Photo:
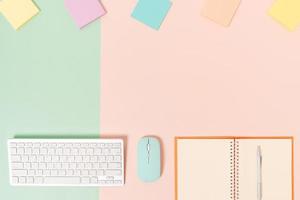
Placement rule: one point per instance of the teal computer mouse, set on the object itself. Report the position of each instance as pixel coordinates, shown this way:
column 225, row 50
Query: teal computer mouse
column 148, row 159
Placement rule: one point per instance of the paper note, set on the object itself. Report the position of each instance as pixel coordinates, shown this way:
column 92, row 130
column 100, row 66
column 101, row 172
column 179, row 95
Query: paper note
column 84, row 11
column 287, row 13
column 151, row 13
column 220, row 11
column 18, row 12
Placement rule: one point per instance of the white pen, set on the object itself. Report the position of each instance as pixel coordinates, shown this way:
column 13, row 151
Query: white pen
column 259, row 173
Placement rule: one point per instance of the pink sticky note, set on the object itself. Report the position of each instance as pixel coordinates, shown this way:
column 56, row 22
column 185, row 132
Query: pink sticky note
column 85, row 11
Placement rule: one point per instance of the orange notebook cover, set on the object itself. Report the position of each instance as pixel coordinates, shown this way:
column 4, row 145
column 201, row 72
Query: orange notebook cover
column 215, row 168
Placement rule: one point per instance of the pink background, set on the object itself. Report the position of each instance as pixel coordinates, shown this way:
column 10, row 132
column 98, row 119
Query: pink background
column 194, row 77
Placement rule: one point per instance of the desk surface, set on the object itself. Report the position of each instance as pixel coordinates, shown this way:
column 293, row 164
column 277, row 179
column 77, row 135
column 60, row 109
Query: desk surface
column 194, row 77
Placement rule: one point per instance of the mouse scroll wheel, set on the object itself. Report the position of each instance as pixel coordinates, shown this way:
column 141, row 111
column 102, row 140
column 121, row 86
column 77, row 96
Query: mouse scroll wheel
column 148, row 147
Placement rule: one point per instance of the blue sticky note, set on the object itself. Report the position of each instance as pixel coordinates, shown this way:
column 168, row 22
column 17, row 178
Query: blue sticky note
column 151, row 12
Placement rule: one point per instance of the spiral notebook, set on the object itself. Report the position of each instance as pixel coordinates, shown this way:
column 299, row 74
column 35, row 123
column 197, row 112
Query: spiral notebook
column 215, row 168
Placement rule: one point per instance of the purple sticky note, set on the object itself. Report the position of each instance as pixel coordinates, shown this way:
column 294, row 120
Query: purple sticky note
column 84, row 11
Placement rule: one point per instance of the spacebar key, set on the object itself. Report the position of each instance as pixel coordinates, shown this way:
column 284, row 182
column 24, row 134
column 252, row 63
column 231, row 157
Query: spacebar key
column 61, row 180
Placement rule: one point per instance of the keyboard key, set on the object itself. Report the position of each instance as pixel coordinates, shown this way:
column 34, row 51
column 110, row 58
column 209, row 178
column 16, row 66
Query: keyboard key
column 28, row 144
column 118, row 182
column 22, row 179
column 27, row 165
column 72, row 165
column 74, row 151
column 101, row 158
column 71, row 158
column 42, row 166
column 13, row 144
column 44, row 151
column 84, row 172
column 113, row 172
column 97, row 152
column 88, row 165
column 82, row 151
column 61, row 172
column 115, row 151
column 65, row 165
column 93, row 159
column 36, row 144
column 85, row 180
column 32, row 158
column 90, row 151
column 114, row 165
column 35, row 151
column 77, row 172
column 106, row 151
column 17, row 165
column 25, row 158
column 13, row 150
column 55, row 158
column 54, row 172
column 34, row 165
column 78, row 158
column 100, row 172
column 50, row 165
column 117, row 158
column 59, row 151
column 62, row 180
column 47, row 172
column 92, row 172
column 95, row 165
column 19, row 172
column 30, row 180
column 20, row 151
column 28, row 150
column 109, row 158
column 57, row 165
column 40, row 158
column 15, row 180
column 117, row 145
column 39, row 172
column 20, row 144
column 94, row 180
column 51, row 151
column 31, row 172
column 38, row 180
column 70, row 172
column 63, row 158
column 15, row 158
column 103, row 165
column 86, row 158
column 80, row 165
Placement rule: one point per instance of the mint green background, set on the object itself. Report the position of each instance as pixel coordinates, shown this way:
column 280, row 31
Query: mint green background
column 49, row 87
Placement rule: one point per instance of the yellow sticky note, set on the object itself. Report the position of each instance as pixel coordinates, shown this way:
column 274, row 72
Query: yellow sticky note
column 287, row 13
column 18, row 12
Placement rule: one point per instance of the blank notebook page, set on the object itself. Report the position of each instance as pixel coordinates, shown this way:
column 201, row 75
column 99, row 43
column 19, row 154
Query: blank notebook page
column 203, row 169
column 276, row 169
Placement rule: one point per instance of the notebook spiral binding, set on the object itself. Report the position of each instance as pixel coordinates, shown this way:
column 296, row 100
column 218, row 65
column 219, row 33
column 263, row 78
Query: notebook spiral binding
column 234, row 170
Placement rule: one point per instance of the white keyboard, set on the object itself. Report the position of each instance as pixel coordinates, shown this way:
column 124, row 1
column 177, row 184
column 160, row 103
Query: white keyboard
column 66, row 162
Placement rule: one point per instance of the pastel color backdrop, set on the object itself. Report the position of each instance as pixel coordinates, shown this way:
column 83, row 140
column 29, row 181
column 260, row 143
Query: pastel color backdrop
column 49, row 87
column 194, row 77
